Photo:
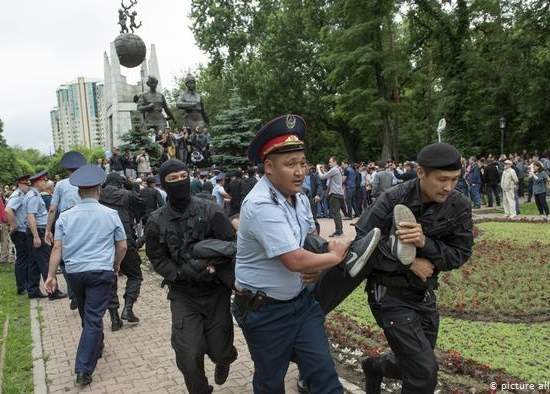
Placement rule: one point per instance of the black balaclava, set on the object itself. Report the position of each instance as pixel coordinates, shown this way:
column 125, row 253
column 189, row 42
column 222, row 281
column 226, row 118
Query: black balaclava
column 179, row 193
column 114, row 179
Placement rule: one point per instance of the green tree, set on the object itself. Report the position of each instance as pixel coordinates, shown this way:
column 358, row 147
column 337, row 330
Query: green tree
column 3, row 143
column 235, row 128
column 136, row 139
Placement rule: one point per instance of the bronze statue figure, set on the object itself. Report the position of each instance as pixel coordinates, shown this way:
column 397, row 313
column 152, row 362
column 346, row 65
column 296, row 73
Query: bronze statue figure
column 191, row 102
column 151, row 104
column 123, row 16
column 122, row 21
column 133, row 25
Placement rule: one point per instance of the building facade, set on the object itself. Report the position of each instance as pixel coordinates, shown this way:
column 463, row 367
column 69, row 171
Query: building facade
column 77, row 120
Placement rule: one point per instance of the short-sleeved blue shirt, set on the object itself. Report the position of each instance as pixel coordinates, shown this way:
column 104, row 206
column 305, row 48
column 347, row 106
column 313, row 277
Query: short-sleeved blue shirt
column 65, row 195
column 16, row 202
column 88, row 233
column 35, row 205
column 269, row 227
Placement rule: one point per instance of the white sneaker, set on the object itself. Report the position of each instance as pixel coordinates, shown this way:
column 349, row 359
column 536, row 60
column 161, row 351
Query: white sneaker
column 405, row 253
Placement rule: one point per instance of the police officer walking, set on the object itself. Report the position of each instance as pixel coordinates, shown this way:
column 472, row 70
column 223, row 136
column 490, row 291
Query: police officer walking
column 17, row 219
column 65, row 196
column 199, row 301
column 278, row 315
column 130, row 206
column 37, row 218
column 91, row 240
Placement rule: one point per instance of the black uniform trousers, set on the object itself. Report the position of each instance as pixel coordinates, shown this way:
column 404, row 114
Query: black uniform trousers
column 131, row 268
column 39, row 259
column 410, row 321
column 201, row 324
column 22, row 257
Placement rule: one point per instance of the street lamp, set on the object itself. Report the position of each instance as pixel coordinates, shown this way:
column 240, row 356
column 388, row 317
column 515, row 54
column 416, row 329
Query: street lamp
column 502, row 127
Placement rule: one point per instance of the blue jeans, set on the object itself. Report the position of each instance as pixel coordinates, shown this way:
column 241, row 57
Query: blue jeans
column 93, row 292
column 292, row 331
column 475, row 195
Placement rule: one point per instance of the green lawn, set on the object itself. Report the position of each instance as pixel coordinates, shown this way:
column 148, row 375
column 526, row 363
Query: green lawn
column 521, row 349
column 18, row 361
column 529, row 208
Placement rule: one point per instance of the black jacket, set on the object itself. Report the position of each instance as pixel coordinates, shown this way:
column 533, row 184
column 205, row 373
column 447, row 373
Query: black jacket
column 170, row 236
column 128, row 204
column 492, row 175
column 152, row 199
column 447, row 227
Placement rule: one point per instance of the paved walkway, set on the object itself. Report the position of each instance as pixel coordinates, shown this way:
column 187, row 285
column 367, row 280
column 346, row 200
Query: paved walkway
column 136, row 359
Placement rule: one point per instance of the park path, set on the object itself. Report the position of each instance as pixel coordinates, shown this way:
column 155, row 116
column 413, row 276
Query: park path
column 136, row 359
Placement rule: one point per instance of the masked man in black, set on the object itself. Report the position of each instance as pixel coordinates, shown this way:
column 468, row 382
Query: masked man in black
column 199, row 299
column 130, row 206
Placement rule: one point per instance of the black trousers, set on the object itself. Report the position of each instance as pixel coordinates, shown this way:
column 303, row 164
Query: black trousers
column 493, row 191
column 22, row 257
column 335, row 203
column 39, row 259
column 410, row 322
column 201, row 325
column 131, row 268
column 542, row 204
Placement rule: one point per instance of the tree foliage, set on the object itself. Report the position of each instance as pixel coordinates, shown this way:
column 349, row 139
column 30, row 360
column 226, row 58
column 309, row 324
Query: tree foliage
column 374, row 78
column 234, row 129
column 3, row 143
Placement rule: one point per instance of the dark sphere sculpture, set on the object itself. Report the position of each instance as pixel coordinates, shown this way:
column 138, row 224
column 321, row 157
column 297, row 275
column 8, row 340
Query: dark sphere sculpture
column 131, row 50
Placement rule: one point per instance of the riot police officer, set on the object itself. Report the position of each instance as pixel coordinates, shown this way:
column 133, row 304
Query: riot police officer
column 427, row 229
column 130, row 207
column 199, row 301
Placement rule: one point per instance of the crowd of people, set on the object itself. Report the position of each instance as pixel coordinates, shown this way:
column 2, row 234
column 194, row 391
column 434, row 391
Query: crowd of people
column 254, row 233
column 489, row 181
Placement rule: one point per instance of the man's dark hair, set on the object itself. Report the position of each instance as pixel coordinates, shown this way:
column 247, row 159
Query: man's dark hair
column 150, row 181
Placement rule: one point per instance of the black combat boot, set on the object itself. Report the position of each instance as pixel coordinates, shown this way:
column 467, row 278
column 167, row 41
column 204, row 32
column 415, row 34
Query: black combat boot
column 128, row 313
column 116, row 323
column 372, row 376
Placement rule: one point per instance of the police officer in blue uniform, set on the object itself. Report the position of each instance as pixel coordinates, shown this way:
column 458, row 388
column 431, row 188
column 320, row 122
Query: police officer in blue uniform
column 90, row 239
column 37, row 218
column 278, row 315
column 17, row 219
column 65, row 196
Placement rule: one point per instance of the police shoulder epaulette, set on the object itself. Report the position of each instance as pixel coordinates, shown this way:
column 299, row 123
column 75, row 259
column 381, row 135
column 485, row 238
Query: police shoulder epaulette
column 273, row 195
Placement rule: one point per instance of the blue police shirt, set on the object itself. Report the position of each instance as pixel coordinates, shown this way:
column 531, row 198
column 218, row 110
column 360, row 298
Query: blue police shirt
column 269, row 227
column 65, row 195
column 88, row 232
column 35, row 205
column 16, row 202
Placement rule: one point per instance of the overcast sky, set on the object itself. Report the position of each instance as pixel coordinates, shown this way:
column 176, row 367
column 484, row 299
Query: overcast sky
column 46, row 43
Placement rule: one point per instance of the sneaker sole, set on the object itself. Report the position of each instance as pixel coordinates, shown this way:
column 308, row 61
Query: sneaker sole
column 406, row 253
column 362, row 260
